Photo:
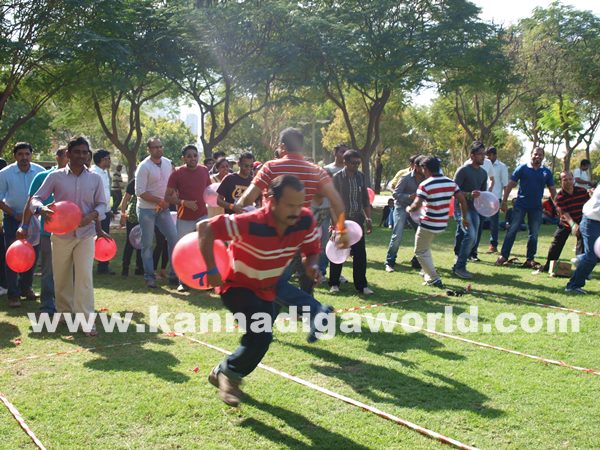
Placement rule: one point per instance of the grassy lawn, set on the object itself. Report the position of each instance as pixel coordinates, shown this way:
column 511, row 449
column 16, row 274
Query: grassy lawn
column 145, row 391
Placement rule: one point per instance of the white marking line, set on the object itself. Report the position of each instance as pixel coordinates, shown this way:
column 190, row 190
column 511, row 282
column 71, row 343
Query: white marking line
column 494, row 347
column 372, row 409
column 17, row 415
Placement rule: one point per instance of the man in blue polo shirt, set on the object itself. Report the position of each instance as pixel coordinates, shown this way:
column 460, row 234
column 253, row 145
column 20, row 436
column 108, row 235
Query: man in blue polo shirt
column 532, row 178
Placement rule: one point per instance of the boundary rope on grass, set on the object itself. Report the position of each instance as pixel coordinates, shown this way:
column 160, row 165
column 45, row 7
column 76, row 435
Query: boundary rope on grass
column 17, row 415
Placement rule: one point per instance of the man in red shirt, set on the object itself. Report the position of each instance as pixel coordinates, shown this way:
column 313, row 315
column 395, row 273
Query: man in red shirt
column 262, row 244
column 185, row 188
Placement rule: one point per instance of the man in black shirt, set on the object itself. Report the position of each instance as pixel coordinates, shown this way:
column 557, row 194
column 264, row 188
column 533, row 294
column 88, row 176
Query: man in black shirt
column 233, row 185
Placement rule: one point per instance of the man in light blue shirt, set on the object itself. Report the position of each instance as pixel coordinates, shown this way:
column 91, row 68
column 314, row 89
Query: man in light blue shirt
column 15, row 180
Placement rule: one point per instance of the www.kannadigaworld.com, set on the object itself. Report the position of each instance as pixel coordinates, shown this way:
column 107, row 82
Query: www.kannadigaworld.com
column 326, row 326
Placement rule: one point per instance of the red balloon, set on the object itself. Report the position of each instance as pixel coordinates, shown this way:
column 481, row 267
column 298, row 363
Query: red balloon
column 66, row 218
column 189, row 264
column 105, row 249
column 451, row 212
column 20, row 256
column 371, row 193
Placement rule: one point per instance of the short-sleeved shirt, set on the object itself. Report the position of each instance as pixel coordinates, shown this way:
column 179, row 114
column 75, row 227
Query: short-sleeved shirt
column 469, row 179
column 583, row 175
column 437, row 192
column 190, row 184
column 14, row 185
column 332, row 169
column 259, row 253
column 313, row 176
column 232, row 187
column 531, row 185
column 152, row 178
column 591, row 209
column 35, row 185
column 572, row 204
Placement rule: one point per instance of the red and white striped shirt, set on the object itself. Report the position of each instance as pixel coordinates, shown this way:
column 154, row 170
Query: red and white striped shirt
column 259, row 253
column 437, row 192
column 313, row 176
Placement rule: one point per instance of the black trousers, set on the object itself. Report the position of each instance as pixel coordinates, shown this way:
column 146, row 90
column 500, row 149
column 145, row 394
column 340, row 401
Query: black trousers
column 128, row 252
column 558, row 243
column 359, row 267
column 254, row 345
column 105, row 224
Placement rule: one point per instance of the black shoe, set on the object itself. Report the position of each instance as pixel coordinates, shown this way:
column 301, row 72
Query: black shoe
column 139, row 272
column 414, row 262
column 106, row 272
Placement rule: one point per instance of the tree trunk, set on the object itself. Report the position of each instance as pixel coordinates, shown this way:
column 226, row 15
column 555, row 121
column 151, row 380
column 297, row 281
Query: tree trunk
column 378, row 172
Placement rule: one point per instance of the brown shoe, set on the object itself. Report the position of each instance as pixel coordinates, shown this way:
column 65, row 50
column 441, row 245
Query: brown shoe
column 501, row 261
column 29, row 295
column 92, row 332
column 492, row 249
column 14, row 302
column 531, row 264
column 229, row 389
column 213, row 377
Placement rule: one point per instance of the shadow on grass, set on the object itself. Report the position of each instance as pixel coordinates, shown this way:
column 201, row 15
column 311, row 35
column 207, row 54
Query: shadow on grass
column 8, row 332
column 386, row 385
column 320, row 437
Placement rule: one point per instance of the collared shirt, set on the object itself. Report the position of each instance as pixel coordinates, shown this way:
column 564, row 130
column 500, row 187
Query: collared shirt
column 500, row 174
column 313, row 176
column 14, row 185
column 332, row 169
column 353, row 190
column 405, row 188
column 105, row 180
column 259, row 253
column 531, row 185
column 583, row 175
column 152, row 178
column 572, row 204
column 35, row 185
column 85, row 190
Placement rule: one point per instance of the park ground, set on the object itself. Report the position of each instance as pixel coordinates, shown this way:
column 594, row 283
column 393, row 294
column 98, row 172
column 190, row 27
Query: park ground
column 149, row 390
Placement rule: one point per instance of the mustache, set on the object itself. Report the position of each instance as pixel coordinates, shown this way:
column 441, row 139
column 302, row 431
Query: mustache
column 292, row 217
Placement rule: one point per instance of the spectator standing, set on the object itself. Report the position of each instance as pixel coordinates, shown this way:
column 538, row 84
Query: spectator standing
column 101, row 166
column 116, row 189
column 583, row 175
column 500, row 173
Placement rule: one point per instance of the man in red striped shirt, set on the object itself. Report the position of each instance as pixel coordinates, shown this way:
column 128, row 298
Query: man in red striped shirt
column 569, row 202
column 263, row 242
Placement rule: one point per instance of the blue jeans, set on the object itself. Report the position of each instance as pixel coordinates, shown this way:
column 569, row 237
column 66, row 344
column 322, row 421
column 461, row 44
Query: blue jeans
column 590, row 232
column 47, row 294
column 534, row 221
column 148, row 219
column 469, row 237
column 323, row 261
column 16, row 283
column 494, row 229
column 399, row 222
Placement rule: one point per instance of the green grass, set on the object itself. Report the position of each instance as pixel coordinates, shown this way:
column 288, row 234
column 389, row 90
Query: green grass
column 147, row 394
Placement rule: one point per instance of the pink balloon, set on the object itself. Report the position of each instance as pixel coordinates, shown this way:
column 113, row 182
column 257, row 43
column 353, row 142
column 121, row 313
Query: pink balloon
column 597, row 247
column 354, row 231
column 486, row 204
column 210, row 195
column 336, row 255
column 416, row 215
column 66, row 218
column 135, row 237
column 189, row 264
column 371, row 193
column 105, row 249
column 20, row 256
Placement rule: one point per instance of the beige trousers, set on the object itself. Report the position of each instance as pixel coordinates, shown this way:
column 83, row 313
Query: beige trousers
column 73, row 264
column 423, row 240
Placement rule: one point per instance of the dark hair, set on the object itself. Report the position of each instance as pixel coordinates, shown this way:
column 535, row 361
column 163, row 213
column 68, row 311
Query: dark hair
column 431, row 163
column 476, row 146
column 339, row 146
column 77, row 140
column 119, row 167
column 60, row 152
column 246, row 155
column 293, row 140
column 413, row 158
column 99, row 155
column 491, row 149
column 220, row 161
column 153, row 138
column 206, row 160
column 585, row 162
column 21, row 145
column 281, row 182
column 188, row 147
column 349, row 154
column 218, row 155
column 3, row 163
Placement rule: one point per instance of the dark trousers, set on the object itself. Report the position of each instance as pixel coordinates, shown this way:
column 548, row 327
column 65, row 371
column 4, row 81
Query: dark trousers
column 16, row 283
column 161, row 249
column 359, row 267
column 254, row 345
column 558, row 243
column 2, row 260
column 460, row 234
column 117, row 196
column 105, row 224
column 128, row 252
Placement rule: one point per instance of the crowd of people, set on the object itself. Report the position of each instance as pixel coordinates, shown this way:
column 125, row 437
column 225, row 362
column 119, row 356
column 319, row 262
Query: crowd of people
column 277, row 218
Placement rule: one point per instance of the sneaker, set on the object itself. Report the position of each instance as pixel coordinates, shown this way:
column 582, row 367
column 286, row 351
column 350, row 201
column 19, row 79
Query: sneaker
column 229, row 389
column 312, row 336
column 462, row 273
column 493, row 249
column 367, row 291
column 577, row 291
column 474, row 259
column 182, row 288
column 435, row 283
column 213, row 377
column 334, row 289
column 342, row 279
column 575, row 261
column 151, row 283
column 29, row 295
column 388, row 268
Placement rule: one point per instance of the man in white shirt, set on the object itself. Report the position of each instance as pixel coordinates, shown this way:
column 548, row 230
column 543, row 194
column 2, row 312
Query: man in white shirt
column 500, row 174
column 589, row 228
column 151, row 179
column 101, row 165
column 583, row 176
